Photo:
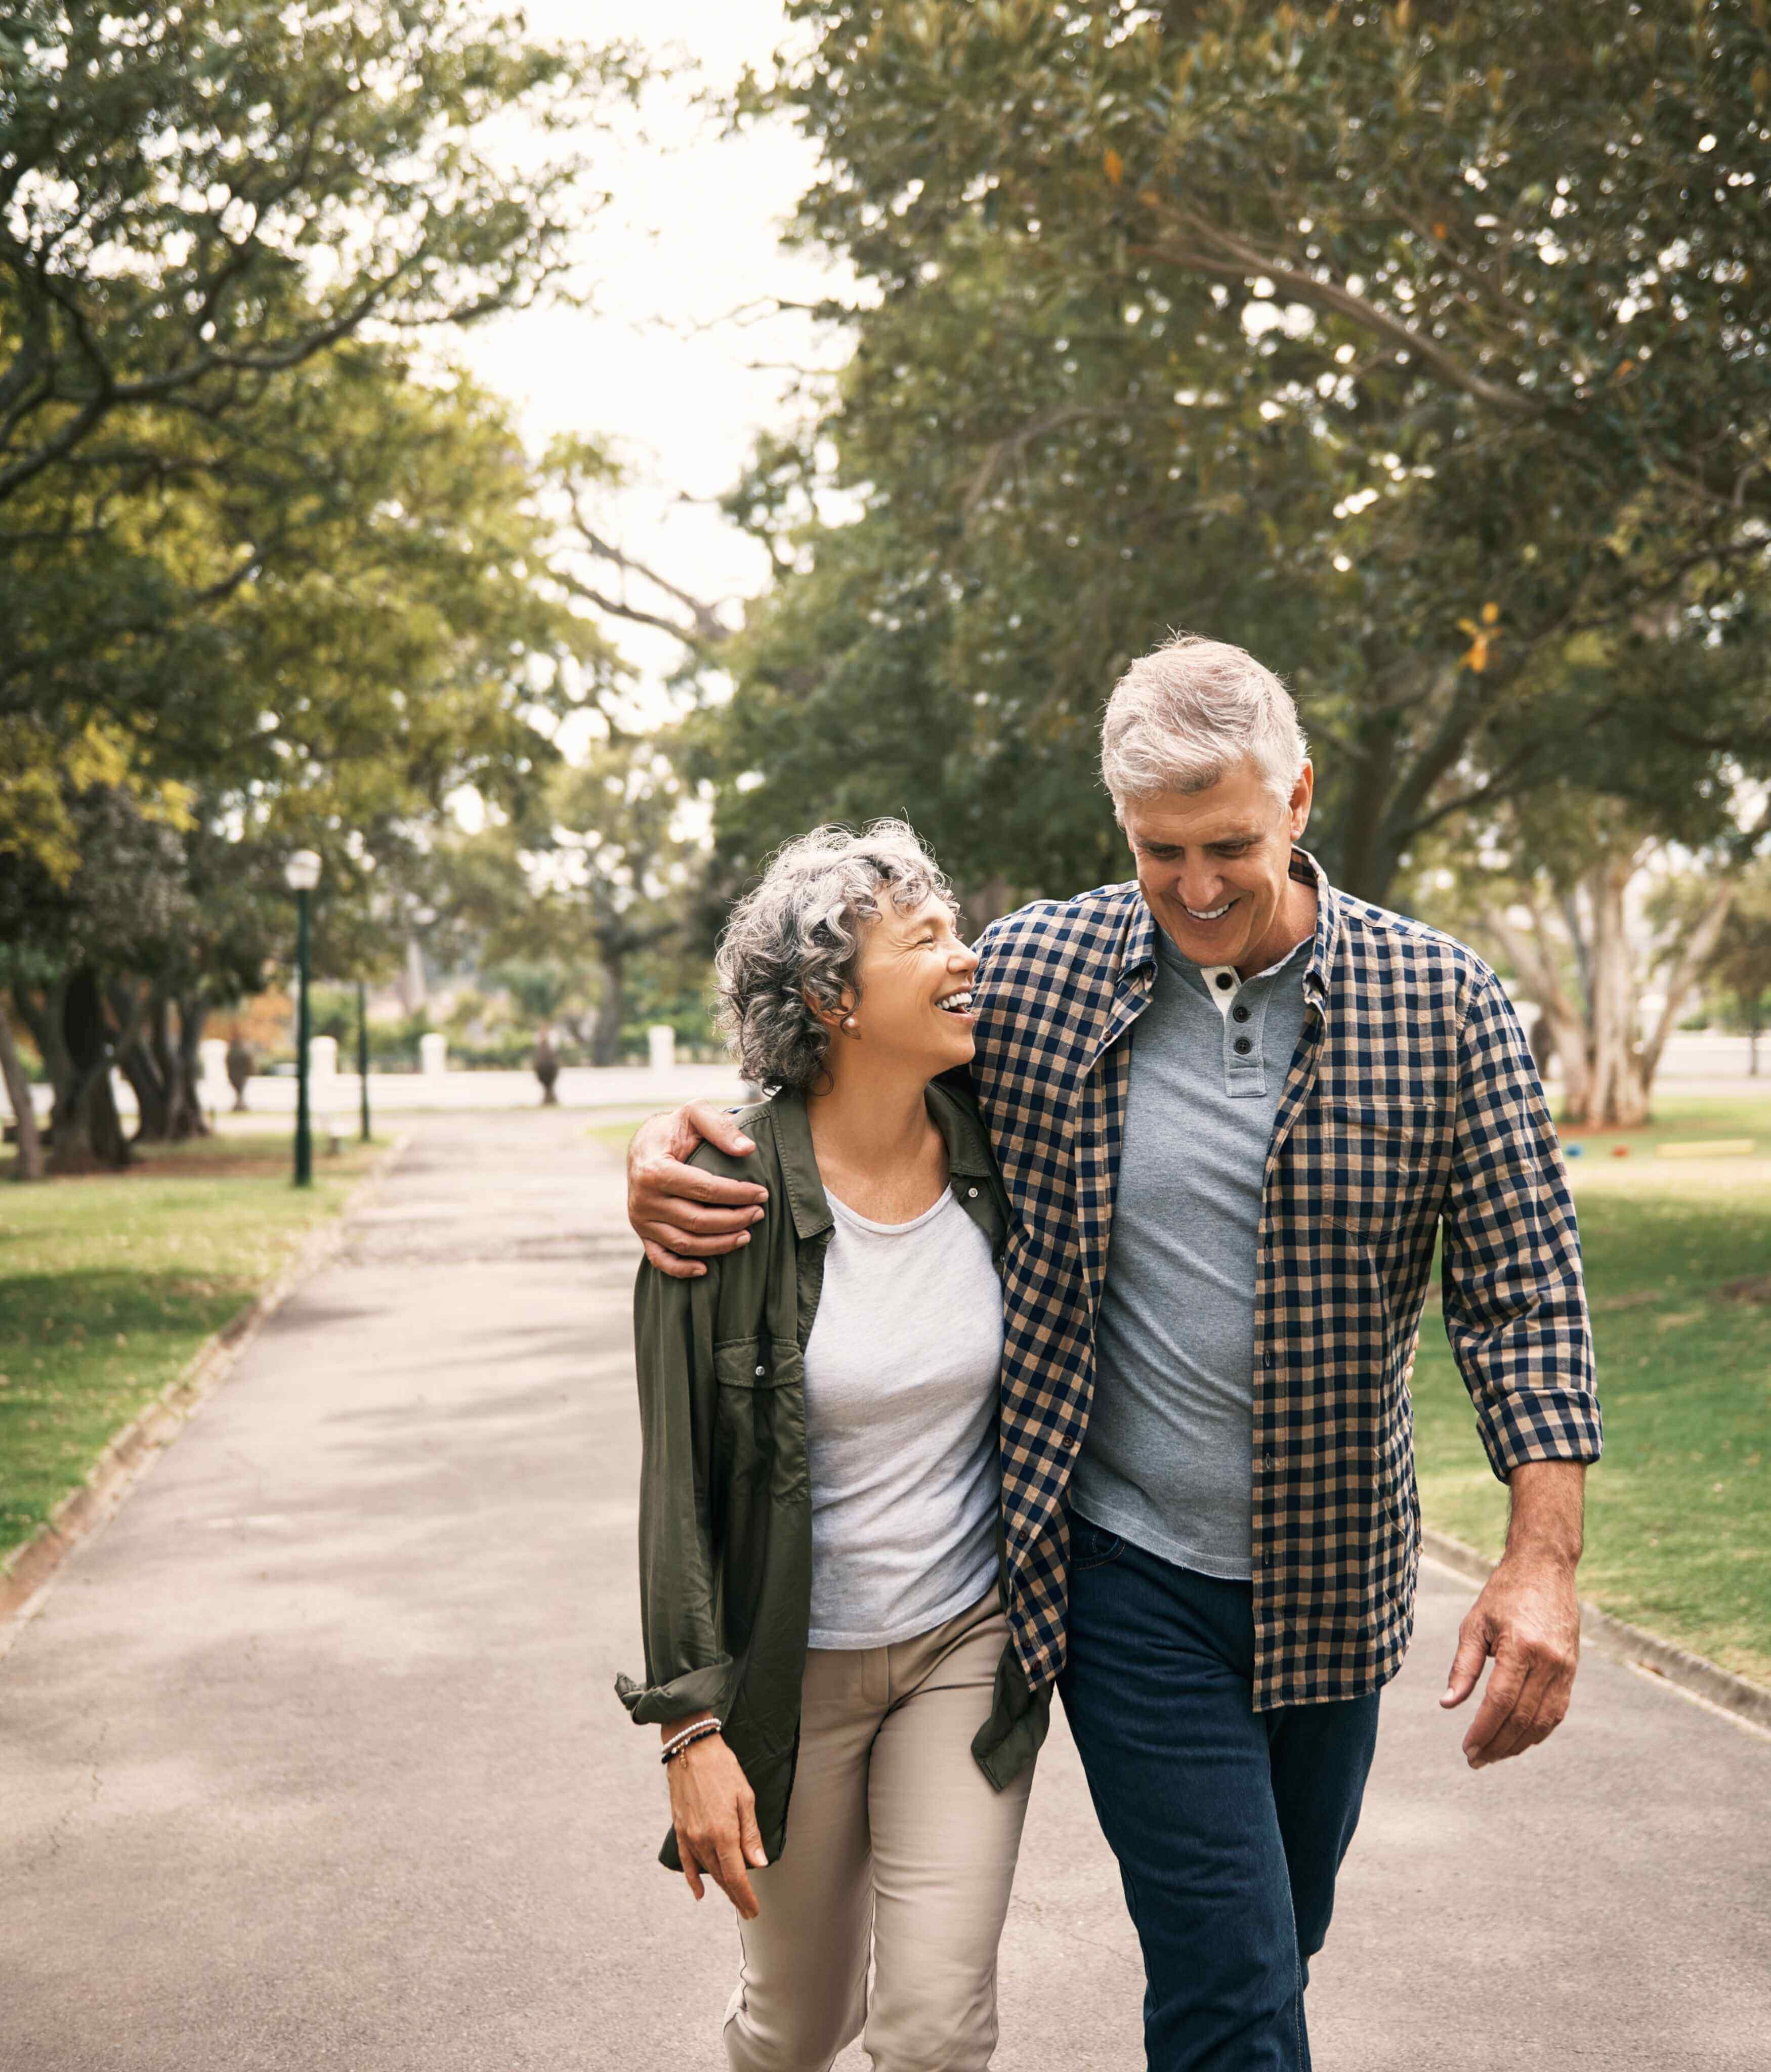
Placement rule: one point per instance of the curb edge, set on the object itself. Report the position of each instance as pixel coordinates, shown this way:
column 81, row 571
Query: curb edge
column 28, row 1570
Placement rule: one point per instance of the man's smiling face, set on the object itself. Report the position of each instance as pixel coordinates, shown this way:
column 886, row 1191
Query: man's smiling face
column 1214, row 866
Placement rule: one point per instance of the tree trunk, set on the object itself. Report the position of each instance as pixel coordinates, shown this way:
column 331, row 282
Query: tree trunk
column 30, row 1153
column 87, row 1134
column 1618, row 1097
column 166, row 1061
column 87, row 1131
column 1366, row 860
column 191, row 1018
column 142, row 1061
column 152, row 1113
column 43, row 1016
column 161, row 1065
column 611, row 1011
column 1532, row 956
column 1694, row 954
column 410, row 985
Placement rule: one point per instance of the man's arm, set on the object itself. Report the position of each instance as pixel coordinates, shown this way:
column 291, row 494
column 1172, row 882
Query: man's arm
column 681, row 1215
column 1516, row 1316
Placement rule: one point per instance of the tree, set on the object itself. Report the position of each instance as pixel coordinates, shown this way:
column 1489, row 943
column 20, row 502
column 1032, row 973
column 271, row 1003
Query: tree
column 1740, row 966
column 198, row 205
column 175, row 180
column 1555, row 887
column 30, row 1163
column 64, row 937
column 602, row 874
column 408, row 648
column 1413, row 350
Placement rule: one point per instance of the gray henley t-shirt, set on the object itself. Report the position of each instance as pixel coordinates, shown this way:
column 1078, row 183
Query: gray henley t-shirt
column 1167, row 1461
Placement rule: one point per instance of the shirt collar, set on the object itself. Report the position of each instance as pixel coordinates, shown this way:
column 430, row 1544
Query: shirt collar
column 1306, row 870
column 967, row 1151
column 1139, row 954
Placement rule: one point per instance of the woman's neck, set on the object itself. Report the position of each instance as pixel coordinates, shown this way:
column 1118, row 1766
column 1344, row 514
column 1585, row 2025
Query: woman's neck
column 876, row 1145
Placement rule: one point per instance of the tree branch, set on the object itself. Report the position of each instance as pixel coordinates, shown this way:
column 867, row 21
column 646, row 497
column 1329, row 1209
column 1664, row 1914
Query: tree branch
column 1232, row 260
column 1699, row 942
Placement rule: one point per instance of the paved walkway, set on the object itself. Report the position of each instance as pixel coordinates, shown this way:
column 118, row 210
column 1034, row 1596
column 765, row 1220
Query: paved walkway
column 311, row 1761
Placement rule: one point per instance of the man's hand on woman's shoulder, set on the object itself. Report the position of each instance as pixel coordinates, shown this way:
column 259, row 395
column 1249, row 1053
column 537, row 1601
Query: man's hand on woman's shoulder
column 683, row 1216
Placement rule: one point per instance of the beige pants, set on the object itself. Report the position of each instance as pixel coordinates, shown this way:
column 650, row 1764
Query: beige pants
column 896, row 1838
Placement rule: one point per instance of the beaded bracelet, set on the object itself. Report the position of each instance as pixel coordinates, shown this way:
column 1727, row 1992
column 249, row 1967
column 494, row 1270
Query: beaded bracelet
column 699, row 1731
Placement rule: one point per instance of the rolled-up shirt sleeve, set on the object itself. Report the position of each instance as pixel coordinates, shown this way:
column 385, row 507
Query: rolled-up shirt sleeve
column 1514, row 1300
column 687, row 1668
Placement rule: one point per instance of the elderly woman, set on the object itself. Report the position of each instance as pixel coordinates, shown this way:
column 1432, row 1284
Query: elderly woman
column 847, row 1739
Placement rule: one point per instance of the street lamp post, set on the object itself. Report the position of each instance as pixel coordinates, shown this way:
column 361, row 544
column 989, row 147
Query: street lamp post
column 302, row 874
column 362, row 1051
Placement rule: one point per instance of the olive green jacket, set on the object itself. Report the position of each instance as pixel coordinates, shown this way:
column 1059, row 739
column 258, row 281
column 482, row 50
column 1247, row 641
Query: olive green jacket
column 725, row 1498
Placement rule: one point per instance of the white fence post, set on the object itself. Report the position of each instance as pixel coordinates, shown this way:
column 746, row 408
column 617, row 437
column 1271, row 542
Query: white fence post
column 321, row 1070
column 218, row 1088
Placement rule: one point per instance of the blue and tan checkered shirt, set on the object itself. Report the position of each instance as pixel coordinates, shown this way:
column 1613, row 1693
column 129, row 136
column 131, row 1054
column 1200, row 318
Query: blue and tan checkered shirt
column 1411, row 1103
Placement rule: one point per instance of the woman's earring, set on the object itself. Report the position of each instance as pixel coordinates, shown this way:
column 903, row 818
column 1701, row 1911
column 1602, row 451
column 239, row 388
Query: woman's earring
column 848, row 1022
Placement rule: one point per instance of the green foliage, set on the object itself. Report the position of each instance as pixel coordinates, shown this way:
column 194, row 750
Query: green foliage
column 542, row 990
column 1414, row 351
column 671, row 986
column 1739, row 970
column 266, row 583
column 202, row 197
column 601, row 873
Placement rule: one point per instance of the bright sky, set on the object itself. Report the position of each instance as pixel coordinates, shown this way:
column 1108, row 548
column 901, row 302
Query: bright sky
column 660, row 366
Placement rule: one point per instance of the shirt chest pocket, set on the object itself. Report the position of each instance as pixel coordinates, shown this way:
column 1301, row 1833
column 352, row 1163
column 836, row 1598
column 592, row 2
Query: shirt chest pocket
column 1377, row 1167
column 759, row 1437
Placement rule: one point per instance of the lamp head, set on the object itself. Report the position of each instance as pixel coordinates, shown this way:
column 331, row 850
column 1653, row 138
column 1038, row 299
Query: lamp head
column 303, row 870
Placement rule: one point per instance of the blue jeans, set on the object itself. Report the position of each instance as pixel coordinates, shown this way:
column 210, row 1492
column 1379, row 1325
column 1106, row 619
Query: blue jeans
column 1228, row 1824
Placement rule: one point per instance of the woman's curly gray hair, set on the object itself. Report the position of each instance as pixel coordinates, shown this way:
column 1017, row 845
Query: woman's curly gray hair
column 796, row 940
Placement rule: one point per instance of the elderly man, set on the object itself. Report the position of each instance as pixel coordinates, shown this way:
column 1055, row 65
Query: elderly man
column 1233, row 1109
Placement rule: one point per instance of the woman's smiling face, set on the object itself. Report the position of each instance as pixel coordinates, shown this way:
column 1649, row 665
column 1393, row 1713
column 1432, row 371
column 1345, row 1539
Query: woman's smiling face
column 913, row 978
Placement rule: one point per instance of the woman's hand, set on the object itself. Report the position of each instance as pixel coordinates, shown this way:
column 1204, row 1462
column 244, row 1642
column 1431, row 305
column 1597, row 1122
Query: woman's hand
column 714, row 1810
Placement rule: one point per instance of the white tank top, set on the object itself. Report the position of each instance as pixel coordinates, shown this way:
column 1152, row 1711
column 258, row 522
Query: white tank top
column 901, row 1378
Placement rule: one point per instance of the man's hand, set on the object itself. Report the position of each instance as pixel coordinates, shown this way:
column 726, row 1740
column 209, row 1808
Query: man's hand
column 714, row 1812
column 683, row 1215
column 1528, row 1618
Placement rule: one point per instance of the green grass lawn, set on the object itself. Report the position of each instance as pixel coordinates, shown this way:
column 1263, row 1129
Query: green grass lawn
column 1679, row 1517
column 109, row 1284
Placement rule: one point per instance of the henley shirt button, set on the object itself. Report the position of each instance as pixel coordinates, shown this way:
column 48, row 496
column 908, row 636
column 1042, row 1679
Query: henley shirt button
column 1225, row 981
column 1243, row 1046
column 1238, row 1013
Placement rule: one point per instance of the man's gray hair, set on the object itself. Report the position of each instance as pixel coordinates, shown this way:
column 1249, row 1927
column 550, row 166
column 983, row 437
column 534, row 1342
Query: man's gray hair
column 1185, row 715
column 796, row 940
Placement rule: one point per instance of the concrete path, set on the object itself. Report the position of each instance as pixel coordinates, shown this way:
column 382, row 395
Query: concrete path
column 311, row 1759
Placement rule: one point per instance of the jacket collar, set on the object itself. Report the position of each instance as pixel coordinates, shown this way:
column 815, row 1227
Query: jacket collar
column 967, row 1151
